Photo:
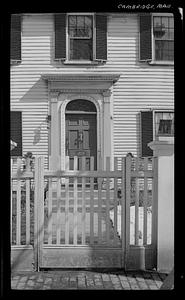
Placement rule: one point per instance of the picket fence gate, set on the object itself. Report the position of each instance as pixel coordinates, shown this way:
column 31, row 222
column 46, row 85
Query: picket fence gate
column 84, row 218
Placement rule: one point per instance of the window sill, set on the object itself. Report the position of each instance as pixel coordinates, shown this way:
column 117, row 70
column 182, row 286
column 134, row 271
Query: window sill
column 80, row 62
column 161, row 63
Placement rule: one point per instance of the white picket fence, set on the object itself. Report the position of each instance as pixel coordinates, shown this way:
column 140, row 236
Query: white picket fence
column 113, row 207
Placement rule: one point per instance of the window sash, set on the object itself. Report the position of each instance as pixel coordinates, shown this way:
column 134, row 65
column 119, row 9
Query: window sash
column 89, row 38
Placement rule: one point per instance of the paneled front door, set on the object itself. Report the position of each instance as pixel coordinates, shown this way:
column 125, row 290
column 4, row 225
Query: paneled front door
column 81, row 138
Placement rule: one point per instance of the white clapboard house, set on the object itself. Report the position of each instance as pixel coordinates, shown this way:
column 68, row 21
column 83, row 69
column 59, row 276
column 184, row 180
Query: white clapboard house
column 91, row 84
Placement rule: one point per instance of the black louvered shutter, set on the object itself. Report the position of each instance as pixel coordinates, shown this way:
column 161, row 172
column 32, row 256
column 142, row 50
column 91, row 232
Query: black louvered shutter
column 101, row 37
column 60, row 36
column 15, row 37
column 146, row 132
column 16, row 132
column 145, row 37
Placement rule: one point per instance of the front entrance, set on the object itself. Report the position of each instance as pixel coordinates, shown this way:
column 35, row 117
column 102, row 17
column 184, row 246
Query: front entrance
column 81, row 133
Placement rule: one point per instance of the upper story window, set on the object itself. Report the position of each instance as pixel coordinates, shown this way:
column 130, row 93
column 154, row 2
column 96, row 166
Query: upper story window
column 163, row 32
column 157, row 37
column 80, row 37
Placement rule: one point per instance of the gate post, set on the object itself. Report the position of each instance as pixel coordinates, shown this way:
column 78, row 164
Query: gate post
column 164, row 151
column 127, row 207
column 38, row 210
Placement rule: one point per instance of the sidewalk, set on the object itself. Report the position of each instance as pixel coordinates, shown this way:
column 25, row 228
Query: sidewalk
column 85, row 279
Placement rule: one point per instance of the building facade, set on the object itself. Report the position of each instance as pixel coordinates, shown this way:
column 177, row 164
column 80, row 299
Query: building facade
column 91, row 84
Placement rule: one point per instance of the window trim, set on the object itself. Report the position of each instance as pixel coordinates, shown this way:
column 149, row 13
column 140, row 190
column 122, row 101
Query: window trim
column 154, row 61
column 77, row 61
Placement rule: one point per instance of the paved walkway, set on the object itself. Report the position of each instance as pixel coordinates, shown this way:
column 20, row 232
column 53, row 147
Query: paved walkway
column 85, row 279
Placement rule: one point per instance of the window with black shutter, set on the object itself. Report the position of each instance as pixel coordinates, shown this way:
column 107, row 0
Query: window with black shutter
column 16, row 132
column 156, row 41
column 15, row 38
column 80, row 37
column 146, row 132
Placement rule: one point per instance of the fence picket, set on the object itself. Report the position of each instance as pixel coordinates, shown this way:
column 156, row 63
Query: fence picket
column 11, row 201
column 115, row 200
column 18, row 215
column 27, row 211
column 83, row 201
column 91, row 202
column 137, row 205
column 127, row 212
column 145, row 203
column 100, row 204
column 50, row 216
column 107, row 202
column 67, row 204
column 58, row 210
column 123, row 207
column 75, row 202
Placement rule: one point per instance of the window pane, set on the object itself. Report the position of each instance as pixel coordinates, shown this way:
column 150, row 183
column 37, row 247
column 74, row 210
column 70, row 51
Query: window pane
column 165, row 127
column 81, row 49
column 164, row 50
column 72, row 21
column 171, row 34
column 164, row 22
column 157, row 22
column 171, row 22
column 80, row 21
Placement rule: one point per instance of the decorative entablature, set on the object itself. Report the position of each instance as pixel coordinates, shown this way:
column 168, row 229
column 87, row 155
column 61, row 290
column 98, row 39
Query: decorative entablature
column 80, row 83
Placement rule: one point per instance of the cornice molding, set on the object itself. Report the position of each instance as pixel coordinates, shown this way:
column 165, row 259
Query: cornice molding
column 81, row 77
column 76, row 91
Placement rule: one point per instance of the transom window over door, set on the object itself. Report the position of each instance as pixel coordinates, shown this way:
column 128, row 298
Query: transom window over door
column 80, row 37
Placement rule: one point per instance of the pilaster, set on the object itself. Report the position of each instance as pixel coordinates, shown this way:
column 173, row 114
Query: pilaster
column 54, row 161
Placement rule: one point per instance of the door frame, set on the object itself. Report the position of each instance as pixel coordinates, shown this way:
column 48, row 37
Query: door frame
column 99, row 126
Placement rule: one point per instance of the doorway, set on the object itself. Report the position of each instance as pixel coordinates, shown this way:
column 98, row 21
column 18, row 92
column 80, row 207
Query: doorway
column 81, row 133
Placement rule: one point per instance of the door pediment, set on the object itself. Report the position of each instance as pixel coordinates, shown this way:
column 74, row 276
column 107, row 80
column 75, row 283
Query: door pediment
column 78, row 81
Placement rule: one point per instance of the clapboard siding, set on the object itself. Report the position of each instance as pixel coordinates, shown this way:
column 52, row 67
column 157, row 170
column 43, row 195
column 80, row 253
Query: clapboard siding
column 140, row 87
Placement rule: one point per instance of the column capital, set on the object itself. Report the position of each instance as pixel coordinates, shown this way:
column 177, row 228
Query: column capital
column 54, row 95
column 106, row 94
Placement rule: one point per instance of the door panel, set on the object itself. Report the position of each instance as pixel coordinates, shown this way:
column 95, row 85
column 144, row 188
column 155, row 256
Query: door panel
column 81, row 138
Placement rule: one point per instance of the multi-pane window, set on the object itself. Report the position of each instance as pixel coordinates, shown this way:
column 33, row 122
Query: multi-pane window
column 163, row 30
column 164, row 123
column 80, row 34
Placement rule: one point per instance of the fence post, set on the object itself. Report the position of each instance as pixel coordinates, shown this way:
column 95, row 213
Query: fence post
column 155, row 209
column 127, row 207
column 38, row 210
column 164, row 151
